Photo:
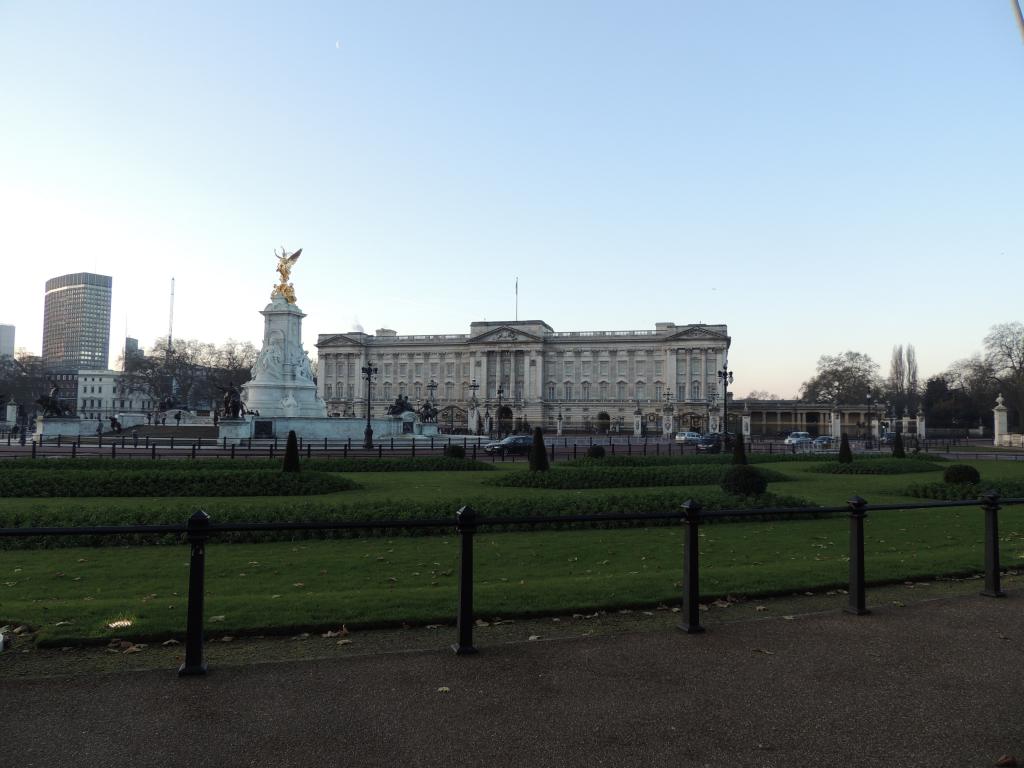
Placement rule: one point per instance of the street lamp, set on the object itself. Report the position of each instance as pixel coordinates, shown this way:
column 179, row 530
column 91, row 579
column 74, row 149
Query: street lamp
column 500, row 393
column 369, row 371
column 725, row 376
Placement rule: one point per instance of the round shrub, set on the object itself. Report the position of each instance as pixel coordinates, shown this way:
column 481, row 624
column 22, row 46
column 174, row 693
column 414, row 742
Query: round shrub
column 595, row 452
column 453, row 451
column 743, row 480
column 957, row 474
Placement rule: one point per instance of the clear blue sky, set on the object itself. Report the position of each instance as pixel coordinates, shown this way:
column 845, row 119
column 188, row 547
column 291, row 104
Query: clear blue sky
column 819, row 176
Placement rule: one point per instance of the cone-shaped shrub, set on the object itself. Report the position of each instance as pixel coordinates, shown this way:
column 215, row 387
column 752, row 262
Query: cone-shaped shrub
column 845, row 454
column 538, row 453
column 739, row 453
column 291, row 453
column 897, row 447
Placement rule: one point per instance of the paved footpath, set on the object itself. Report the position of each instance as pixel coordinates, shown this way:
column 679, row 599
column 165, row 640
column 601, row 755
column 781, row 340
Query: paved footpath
column 933, row 683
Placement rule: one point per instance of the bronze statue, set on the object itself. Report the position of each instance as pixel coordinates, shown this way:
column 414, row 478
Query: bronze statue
column 400, row 406
column 285, row 262
column 51, row 403
column 232, row 403
column 428, row 413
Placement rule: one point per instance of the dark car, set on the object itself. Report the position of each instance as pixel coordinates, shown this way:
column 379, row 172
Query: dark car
column 520, row 444
column 710, row 444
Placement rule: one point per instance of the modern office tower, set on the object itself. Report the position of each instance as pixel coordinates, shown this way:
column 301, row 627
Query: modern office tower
column 6, row 341
column 76, row 322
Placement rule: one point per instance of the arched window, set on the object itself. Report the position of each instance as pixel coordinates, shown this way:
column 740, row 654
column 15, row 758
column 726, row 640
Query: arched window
column 621, row 390
column 603, row 390
column 695, row 390
column 328, row 391
column 419, row 390
column 641, row 391
column 387, row 390
column 449, row 391
column 568, row 390
column 585, row 387
column 551, row 390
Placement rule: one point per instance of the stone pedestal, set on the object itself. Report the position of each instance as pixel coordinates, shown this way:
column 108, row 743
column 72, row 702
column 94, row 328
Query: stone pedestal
column 667, row 425
column 12, row 414
column 746, row 427
column 921, row 433
column 282, row 382
column 1000, row 421
column 50, row 427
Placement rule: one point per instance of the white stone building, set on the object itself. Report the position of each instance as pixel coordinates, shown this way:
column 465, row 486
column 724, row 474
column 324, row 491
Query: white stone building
column 530, row 371
column 102, row 394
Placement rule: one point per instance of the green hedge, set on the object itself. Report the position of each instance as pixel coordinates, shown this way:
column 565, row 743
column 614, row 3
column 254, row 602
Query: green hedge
column 884, row 466
column 1008, row 489
column 199, row 482
column 675, row 460
column 271, row 510
column 408, row 464
column 622, row 477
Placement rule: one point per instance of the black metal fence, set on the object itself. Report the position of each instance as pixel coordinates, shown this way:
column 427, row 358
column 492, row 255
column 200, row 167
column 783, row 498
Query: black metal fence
column 200, row 529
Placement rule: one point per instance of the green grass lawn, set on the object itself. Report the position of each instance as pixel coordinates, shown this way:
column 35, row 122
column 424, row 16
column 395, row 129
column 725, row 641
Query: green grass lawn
column 72, row 594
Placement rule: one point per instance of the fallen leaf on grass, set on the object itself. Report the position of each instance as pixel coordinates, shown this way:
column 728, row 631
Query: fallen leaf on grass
column 172, row 641
column 533, row 637
column 789, row 618
column 136, row 648
column 214, row 619
column 760, row 608
column 298, row 584
column 444, row 689
column 302, row 636
column 764, row 651
column 346, row 641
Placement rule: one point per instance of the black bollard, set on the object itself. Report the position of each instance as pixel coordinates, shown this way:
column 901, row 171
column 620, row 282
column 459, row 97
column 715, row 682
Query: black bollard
column 465, row 523
column 113, row 450
column 858, row 511
column 33, row 449
column 198, row 533
column 232, row 450
column 309, row 451
column 152, row 451
column 691, row 568
column 73, row 450
column 193, row 450
column 990, row 503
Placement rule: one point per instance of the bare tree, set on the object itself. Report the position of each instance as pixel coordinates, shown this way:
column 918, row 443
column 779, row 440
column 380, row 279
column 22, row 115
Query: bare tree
column 897, row 379
column 913, row 386
column 1004, row 359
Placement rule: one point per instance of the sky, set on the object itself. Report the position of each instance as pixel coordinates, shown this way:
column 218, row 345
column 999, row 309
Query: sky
column 820, row 177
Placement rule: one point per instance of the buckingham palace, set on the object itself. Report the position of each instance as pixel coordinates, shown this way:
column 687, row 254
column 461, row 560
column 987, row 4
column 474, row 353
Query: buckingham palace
column 525, row 371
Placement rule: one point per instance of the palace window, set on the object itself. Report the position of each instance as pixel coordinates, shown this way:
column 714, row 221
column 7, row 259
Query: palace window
column 695, row 390
column 327, row 392
column 585, row 387
column 639, row 367
column 621, row 390
column 449, row 391
column 568, row 390
column 551, row 391
column 419, row 389
column 641, row 391
column 387, row 390
column 603, row 366
column 603, row 389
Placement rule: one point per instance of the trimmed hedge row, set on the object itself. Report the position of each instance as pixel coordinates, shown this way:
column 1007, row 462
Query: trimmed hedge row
column 408, row 464
column 620, row 460
column 882, row 466
column 267, row 510
column 962, row 491
column 622, row 477
column 199, row 482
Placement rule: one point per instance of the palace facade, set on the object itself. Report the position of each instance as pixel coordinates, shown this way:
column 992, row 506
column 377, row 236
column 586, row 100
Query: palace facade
column 526, row 370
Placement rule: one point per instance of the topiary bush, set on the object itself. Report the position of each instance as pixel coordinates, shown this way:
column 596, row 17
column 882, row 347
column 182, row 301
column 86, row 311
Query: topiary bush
column 845, row 454
column 595, row 452
column 897, row 447
column 739, row 453
column 453, row 451
column 957, row 474
column 743, row 480
column 538, row 453
column 291, row 453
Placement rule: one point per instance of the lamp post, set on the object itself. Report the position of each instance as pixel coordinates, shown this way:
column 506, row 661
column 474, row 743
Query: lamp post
column 369, row 371
column 558, row 431
column 725, row 376
column 500, row 393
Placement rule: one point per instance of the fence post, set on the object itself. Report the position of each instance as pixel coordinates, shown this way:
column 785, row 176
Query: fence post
column 152, row 451
column 691, row 568
column 58, row 441
column 193, row 450
column 113, row 450
column 33, row 449
column 474, row 451
column 122, row 440
column 552, row 450
column 465, row 524
column 232, row 450
column 198, row 533
column 172, row 442
column 990, row 503
column 73, row 448
column 309, row 450
column 858, row 511
column 380, row 450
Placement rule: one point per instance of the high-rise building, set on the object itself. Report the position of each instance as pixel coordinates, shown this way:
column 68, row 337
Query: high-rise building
column 6, row 341
column 76, row 322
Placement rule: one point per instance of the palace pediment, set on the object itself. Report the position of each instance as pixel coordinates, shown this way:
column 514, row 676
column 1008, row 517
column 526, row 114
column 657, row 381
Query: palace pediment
column 697, row 332
column 505, row 334
column 338, row 340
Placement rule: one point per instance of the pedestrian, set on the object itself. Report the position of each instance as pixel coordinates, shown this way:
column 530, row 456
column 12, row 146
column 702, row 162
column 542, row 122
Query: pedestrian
column 163, row 420
column 135, row 438
column 177, row 418
column 149, row 419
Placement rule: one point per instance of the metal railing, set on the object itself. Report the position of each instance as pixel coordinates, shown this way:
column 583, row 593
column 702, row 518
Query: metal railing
column 199, row 529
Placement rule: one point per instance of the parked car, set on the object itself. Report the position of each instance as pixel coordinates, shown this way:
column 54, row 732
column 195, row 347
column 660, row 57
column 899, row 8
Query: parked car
column 710, row 444
column 823, row 443
column 520, row 444
column 798, row 438
column 688, row 438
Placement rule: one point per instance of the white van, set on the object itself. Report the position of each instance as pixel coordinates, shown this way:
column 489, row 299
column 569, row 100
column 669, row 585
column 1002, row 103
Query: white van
column 687, row 438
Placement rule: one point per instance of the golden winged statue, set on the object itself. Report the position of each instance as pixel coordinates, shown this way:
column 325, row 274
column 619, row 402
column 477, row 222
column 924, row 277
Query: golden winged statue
column 285, row 262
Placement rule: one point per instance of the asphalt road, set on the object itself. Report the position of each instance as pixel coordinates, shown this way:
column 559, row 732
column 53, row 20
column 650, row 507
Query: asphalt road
column 933, row 683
